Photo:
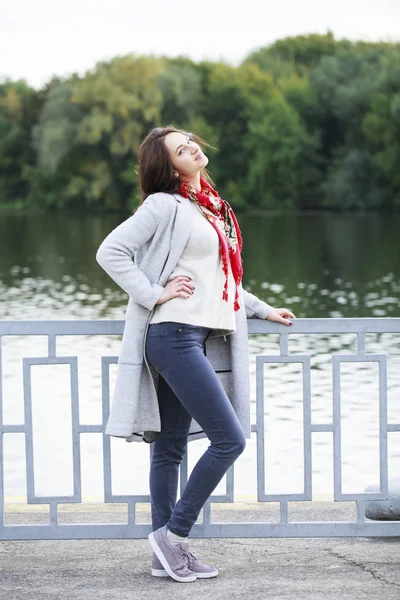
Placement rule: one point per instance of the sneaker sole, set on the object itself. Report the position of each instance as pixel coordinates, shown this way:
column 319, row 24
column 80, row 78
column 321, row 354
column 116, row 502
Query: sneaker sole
column 207, row 575
column 159, row 573
column 157, row 550
column 163, row 573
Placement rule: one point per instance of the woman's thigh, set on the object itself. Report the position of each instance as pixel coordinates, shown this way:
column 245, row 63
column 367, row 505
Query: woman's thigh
column 175, row 421
column 176, row 350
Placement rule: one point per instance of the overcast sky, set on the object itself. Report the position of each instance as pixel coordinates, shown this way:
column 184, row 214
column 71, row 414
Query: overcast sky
column 39, row 38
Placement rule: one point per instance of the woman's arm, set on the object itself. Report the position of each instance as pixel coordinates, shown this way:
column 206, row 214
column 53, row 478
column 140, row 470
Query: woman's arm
column 262, row 310
column 116, row 251
column 255, row 306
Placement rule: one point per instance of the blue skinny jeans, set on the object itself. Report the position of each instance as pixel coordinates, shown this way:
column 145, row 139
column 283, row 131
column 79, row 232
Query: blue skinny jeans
column 188, row 387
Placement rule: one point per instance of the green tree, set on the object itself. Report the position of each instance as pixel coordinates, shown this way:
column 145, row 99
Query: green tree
column 234, row 98
column 54, row 139
column 55, row 134
column 381, row 127
column 353, row 182
column 279, row 175
column 344, row 86
column 180, row 86
column 122, row 101
column 19, row 108
column 298, row 54
column 306, row 122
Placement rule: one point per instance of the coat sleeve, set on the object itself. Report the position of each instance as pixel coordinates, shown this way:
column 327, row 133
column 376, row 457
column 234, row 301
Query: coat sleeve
column 116, row 251
column 255, row 307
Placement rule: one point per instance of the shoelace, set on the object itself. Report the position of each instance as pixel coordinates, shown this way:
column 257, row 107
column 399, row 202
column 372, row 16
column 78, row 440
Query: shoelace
column 188, row 554
column 183, row 554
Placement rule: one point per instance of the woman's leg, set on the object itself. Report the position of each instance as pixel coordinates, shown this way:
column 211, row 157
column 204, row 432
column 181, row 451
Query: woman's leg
column 176, row 351
column 168, row 450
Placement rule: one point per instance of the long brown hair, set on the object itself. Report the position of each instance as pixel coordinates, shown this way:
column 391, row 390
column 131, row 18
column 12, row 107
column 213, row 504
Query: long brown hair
column 155, row 168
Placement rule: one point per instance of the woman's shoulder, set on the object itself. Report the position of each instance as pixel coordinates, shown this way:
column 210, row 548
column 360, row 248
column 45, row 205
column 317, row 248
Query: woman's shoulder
column 163, row 199
column 161, row 206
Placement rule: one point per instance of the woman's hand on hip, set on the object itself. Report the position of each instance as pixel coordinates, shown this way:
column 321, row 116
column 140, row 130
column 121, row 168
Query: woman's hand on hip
column 178, row 287
column 281, row 315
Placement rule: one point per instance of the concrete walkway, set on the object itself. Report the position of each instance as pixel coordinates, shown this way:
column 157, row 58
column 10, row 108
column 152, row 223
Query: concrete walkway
column 249, row 569
column 265, row 569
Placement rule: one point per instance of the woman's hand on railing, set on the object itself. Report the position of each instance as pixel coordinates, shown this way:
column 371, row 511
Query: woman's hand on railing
column 178, row 287
column 281, row 315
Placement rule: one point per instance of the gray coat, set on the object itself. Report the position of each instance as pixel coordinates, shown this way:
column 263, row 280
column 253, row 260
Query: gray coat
column 155, row 237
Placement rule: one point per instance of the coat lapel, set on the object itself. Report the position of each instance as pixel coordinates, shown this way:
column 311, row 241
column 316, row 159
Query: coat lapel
column 180, row 235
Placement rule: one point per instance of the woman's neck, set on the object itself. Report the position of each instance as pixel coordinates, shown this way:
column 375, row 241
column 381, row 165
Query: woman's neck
column 194, row 182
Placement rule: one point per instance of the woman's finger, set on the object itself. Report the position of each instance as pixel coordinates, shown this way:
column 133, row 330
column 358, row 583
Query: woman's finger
column 186, row 288
column 284, row 320
column 284, row 312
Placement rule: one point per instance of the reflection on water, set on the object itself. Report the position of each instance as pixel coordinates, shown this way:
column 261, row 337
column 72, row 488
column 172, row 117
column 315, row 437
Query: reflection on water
column 327, row 265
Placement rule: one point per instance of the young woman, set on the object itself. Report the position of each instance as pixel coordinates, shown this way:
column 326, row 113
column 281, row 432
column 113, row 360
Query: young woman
column 187, row 310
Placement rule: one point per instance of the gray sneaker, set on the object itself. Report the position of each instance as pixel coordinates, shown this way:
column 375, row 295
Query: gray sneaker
column 172, row 557
column 157, row 570
column 202, row 571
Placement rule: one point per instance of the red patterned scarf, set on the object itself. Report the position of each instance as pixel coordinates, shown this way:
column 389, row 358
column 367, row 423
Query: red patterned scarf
column 220, row 214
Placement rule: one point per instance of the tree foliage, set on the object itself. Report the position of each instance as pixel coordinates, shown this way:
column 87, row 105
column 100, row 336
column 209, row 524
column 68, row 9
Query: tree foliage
column 307, row 122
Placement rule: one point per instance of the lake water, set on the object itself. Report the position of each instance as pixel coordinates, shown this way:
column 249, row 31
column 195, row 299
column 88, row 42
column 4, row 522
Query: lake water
column 318, row 265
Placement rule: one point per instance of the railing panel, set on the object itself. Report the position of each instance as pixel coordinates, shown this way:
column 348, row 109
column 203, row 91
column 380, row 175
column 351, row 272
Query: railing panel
column 283, row 527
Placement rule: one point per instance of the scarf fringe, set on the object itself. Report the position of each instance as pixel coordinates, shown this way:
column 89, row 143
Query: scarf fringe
column 236, row 304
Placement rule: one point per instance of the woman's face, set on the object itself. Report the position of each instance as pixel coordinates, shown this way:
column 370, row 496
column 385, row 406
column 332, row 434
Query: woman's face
column 186, row 156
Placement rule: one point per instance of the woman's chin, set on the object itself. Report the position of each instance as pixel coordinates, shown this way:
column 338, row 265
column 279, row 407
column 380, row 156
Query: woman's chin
column 203, row 162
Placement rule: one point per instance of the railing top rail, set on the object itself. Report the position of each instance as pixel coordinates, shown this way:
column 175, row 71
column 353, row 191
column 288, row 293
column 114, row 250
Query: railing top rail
column 115, row 327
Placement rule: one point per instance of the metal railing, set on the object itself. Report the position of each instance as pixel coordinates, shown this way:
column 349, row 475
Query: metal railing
column 284, row 527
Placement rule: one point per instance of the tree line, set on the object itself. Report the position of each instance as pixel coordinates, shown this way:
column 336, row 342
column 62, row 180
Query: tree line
column 308, row 122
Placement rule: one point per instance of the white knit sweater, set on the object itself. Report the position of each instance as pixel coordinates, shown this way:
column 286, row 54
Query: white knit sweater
column 201, row 260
